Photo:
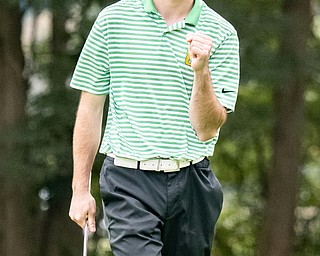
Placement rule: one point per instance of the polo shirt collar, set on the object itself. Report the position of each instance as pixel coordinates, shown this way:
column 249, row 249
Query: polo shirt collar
column 192, row 17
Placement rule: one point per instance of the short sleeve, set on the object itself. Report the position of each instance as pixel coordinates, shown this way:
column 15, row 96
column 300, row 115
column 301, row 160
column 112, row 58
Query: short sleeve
column 92, row 72
column 225, row 71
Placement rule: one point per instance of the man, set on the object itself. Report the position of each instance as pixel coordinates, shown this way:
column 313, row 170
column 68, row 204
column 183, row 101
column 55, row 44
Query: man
column 171, row 70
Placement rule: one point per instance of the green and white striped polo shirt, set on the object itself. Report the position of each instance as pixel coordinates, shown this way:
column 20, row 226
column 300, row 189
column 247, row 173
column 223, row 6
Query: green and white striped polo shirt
column 132, row 55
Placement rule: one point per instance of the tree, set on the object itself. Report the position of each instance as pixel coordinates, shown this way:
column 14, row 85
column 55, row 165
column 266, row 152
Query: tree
column 15, row 230
column 284, row 175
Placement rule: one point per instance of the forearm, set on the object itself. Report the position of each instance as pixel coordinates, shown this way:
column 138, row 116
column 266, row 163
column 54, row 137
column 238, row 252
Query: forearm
column 86, row 140
column 206, row 114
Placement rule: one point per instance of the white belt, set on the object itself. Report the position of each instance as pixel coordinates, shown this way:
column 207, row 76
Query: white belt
column 154, row 164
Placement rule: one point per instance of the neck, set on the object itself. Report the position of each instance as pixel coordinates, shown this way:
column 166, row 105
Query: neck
column 173, row 11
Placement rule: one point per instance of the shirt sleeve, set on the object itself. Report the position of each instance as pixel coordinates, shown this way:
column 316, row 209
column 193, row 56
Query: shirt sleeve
column 225, row 71
column 92, row 72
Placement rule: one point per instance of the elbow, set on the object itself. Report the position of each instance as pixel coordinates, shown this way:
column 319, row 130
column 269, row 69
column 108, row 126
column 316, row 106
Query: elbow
column 206, row 135
column 208, row 129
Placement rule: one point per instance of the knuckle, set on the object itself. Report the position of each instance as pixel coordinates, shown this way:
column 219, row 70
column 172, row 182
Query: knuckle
column 92, row 221
column 78, row 217
column 92, row 210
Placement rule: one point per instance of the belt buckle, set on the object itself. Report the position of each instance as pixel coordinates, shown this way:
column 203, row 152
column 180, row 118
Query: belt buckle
column 160, row 164
column 165, row 169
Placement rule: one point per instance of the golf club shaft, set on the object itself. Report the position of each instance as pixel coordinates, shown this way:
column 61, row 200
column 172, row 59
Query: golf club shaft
column 86, row 230
column 85, row 240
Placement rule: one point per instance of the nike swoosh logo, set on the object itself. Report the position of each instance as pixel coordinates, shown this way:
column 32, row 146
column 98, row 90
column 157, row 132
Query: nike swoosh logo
column 225, row 91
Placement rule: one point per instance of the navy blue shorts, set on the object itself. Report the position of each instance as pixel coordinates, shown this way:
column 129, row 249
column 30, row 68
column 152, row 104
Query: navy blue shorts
column 152, row 213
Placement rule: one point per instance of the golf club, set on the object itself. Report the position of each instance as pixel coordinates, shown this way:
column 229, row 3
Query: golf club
column 86, row 230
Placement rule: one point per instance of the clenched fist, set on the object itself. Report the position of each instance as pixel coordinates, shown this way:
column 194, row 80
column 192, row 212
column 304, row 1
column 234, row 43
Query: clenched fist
column 199, row 49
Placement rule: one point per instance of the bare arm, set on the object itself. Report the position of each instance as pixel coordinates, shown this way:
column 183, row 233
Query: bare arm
column 206, row 114
column 86, row 140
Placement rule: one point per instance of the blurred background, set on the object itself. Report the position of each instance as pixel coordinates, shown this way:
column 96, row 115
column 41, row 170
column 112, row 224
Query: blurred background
column 267, row 158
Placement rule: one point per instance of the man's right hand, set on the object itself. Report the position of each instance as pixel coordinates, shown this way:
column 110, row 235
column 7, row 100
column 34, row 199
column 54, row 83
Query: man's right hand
column 83, row 210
